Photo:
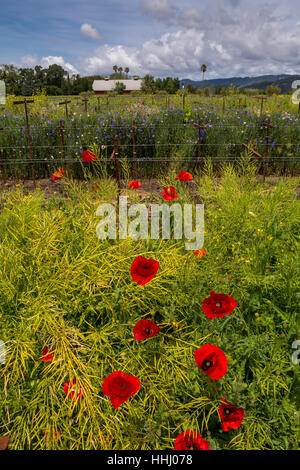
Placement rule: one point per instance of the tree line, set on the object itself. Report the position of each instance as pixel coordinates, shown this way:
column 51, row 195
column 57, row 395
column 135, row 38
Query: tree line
column 25, row 81
column 54, row 79
column 57, row 81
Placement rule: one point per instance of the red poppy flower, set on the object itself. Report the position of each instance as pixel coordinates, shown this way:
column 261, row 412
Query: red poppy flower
column 211, row 360
column 47, row 357
column 201, row 253
column 184, row 176
column 218, row 305
column 73, row 392
column 119, row 387
column 88, row 156
column 190, row 440
column 169, row 193
column 231, row 416
column 143, row 270
column 145, row 329
column 57, row 175
column 134, row 184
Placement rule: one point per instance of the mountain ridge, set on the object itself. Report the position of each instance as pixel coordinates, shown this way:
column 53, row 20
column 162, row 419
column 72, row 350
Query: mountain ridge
column 284, row 81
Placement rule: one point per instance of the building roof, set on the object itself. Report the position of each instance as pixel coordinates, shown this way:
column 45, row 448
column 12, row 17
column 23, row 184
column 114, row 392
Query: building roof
column 108, row 85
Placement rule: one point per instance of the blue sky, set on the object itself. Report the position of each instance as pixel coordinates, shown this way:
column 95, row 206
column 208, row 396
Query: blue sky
column 161, row 37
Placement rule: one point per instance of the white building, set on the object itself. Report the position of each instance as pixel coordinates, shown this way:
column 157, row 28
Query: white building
column 102, row 87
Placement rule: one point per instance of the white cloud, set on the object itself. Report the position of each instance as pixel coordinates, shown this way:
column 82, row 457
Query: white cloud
column 46, row 61
column 106, row 57
column 29, row 61
column 91, row 33
column 258, row 42
column 32, row 60
column 158, row 9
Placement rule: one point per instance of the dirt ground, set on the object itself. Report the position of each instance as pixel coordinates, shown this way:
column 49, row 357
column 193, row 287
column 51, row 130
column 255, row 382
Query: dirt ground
column 51, row 188
column 149, row 186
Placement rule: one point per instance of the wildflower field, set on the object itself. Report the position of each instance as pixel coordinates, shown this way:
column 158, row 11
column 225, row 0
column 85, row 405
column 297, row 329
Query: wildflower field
column 141, row 344
column 150, row 131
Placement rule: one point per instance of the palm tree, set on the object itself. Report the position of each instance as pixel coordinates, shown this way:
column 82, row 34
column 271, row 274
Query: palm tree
column 115, row 68
column 127, row 71
column 120, row 71
column 203, row 70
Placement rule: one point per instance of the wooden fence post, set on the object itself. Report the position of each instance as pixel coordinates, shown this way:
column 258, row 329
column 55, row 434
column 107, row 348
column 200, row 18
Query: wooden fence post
column 133, row 150
column 66, row 106
column 61, row 130
column 25, row 102
column 116, row 158
column 268, row 125
column 262, row 99
column 85, row 101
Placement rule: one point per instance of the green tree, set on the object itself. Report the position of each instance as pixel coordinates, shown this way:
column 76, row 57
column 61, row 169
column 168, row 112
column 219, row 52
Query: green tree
column 148, row 84
column 273, row 90
column 28, row 81
column 119, row 88
column 54, row 75
column 203, row 70
column 12, row 78
column 190, row 89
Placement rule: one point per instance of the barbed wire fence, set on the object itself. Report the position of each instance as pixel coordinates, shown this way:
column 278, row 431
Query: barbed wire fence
column 198, row 144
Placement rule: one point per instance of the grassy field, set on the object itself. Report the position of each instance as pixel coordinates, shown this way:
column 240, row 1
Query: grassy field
column 63, row 289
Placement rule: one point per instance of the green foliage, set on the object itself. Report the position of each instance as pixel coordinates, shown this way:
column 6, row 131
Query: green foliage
column 273, row 90
column 64, row 289
column 119, row 88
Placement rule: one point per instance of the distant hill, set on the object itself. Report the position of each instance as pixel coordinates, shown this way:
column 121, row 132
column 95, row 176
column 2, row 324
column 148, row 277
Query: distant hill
column 261, row 82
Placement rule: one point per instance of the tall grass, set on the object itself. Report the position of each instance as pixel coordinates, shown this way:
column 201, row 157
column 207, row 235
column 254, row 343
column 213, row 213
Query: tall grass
column 64, row 289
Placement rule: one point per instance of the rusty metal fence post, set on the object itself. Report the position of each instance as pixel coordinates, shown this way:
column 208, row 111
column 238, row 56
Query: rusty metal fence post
column 116, row 159
column 66, row 106
column 25, row 102
column 268, row 125
column 133, row 150
column 85, row 101
column 61, row 130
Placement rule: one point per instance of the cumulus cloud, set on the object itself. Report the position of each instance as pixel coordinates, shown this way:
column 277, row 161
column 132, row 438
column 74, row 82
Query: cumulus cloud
column 160, row 10
column 252, row 41
column 59, row 60
column 105, row 57
column 32, row 60
column 91, row 33
column 29, row 61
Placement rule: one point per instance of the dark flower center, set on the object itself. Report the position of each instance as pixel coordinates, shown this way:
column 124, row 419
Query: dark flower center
column 148, row 331
column 206, row 365
column 123, row 386
column 219, row 304
column 227, row 411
